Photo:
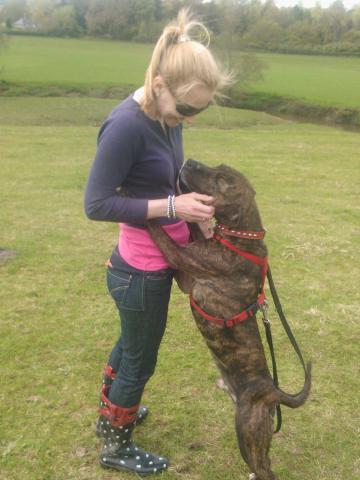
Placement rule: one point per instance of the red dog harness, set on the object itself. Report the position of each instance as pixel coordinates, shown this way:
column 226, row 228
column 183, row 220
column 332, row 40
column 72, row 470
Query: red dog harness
column 261, row 261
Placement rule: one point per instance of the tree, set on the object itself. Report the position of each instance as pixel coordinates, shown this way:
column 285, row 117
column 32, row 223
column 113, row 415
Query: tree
column 110, row 18
column 64, row 21
column 302, row 34
column 13, row 11
column 41, row 12
column 265, row 34
column 54, row 19
column 80, row 9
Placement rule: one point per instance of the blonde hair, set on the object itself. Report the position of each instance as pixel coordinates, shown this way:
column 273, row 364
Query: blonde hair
column 182, row 57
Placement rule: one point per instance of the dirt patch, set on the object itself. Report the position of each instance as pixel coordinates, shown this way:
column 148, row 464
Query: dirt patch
column 6, row 254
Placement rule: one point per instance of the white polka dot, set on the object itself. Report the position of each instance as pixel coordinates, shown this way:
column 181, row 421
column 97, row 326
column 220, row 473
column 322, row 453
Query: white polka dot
column 164, row 465
column 137, row 458
column 138, row 466
column 155, row 469
column 150, row 463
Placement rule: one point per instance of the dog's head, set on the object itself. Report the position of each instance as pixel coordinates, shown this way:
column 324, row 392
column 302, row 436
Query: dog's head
column 234, row 196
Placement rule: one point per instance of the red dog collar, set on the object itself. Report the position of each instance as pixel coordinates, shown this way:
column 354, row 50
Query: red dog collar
column 240, row 233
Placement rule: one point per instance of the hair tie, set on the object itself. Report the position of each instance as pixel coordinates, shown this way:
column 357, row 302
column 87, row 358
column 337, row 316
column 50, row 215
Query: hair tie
column 183, row 38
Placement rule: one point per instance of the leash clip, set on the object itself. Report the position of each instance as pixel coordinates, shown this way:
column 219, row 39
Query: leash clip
column 264, row 310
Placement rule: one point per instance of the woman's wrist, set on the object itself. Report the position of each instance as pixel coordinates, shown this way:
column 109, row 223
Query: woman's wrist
column 171, row 211
column 157, row 208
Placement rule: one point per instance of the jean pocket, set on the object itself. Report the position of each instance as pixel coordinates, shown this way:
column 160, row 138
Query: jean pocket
column 126, row 289
column 118, row 284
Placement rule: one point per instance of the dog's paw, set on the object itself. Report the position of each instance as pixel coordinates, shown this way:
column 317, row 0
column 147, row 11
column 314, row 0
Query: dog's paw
column 252, row 476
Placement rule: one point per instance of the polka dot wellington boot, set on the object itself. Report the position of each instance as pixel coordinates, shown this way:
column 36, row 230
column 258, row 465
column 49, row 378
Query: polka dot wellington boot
column 119, row 451
column 108, row 378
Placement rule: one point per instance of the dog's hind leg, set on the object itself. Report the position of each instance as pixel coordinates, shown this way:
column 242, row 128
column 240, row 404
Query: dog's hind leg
column 254, row 429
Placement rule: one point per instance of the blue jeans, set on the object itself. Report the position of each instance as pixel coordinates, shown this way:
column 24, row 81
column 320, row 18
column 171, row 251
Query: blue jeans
column 142, row 299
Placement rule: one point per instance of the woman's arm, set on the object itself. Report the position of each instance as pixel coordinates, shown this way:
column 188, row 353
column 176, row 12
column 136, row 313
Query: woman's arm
column 192, row 207
column 118, row 145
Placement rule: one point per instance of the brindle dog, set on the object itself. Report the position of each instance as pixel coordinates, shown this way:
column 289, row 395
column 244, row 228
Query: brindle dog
column 223, row 284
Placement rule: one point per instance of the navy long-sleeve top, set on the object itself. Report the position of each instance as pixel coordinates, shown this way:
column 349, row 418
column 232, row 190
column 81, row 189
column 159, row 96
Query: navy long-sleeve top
column 134, row 155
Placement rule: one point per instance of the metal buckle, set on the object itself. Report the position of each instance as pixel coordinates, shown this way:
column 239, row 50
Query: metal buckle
column 264, row 310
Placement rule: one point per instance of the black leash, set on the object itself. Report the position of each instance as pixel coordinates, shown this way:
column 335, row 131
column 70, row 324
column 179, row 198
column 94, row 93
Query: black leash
column 267, row 326
column 287, row 328
column 283, row 319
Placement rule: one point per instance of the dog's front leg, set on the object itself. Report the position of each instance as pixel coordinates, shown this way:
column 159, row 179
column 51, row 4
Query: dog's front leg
column 167, row 245
column 186, row 259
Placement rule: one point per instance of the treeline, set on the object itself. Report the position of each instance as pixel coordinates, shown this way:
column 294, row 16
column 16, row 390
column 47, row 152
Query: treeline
column 238, row 24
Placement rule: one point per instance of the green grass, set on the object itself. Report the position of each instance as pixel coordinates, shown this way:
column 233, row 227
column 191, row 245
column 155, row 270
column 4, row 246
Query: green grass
column 58, row 323
column 331, row 81
column 74, row 61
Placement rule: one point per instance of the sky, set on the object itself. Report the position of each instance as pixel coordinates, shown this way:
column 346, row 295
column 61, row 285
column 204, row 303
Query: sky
column 311, row 3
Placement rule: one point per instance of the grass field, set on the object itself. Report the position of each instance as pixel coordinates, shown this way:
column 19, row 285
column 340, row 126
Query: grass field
column 58, row 323
column 331, row 81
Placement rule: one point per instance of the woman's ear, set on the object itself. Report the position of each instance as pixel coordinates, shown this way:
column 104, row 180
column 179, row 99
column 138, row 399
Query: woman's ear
column 158, row 84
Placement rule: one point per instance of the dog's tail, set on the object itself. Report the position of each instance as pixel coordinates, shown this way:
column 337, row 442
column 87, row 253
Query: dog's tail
column 298, row 399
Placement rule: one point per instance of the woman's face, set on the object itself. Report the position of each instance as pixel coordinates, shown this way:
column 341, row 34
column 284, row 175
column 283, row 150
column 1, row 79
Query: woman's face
column 172, row 111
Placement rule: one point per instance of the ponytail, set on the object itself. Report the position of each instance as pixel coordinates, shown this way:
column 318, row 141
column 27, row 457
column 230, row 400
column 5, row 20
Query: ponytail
column 182, row 57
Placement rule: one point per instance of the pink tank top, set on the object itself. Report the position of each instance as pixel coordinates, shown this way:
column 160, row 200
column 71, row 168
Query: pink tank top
column 139, row 250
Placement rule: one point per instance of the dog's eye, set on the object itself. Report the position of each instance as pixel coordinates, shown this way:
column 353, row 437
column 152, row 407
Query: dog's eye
column 224, row 183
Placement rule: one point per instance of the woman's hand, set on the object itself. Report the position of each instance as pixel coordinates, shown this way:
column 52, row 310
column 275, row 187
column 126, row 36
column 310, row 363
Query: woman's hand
column 194, row 207
column 191, row 207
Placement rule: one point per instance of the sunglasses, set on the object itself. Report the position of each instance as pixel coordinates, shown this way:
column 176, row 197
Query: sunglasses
column 185, row 109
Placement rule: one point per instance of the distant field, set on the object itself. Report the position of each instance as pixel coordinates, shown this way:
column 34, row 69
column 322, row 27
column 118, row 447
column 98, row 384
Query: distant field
column 332, row 81
column 73, row 61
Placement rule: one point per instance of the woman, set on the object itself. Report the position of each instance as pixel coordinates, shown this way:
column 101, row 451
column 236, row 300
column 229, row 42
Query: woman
column 133, row 178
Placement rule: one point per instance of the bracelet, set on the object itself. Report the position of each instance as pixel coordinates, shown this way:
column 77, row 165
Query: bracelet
column 173, row 206
column 171, row 212
column 168, row 211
